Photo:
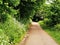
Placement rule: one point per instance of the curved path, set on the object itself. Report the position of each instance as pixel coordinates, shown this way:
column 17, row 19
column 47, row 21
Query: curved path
column 37, row 36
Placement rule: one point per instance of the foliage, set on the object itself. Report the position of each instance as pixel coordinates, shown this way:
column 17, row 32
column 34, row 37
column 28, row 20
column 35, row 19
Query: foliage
column 4, row 40
column 29, row 7
column 54, row 15
column 52, row 31
column 13, row 29
column 57, row 27
column 55, row 35
column 3, row 18
column 51, row 13
column 51, row 22
column 15, row 16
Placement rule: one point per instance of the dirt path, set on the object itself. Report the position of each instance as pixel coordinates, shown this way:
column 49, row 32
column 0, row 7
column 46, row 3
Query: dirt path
column 38, row 37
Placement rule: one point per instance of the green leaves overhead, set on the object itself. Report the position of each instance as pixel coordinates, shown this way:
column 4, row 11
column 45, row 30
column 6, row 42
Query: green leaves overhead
column 12, row 11
column 0, row 1
column 26, row 8
column 52, row 13
column 29, row 0
column 29, row 7
column 14, row 2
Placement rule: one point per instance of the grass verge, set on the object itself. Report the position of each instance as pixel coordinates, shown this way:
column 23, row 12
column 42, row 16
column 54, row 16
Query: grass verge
column 55, row 34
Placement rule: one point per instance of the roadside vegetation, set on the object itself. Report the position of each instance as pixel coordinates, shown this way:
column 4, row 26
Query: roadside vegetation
column 15, row 19
column 54, row 32
column 51, row 22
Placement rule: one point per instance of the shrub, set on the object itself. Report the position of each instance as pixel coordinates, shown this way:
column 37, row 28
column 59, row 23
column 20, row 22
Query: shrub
column 3, row 18
column 13, row 29
column 57, row 27
column 48, row 22
column 4, row 40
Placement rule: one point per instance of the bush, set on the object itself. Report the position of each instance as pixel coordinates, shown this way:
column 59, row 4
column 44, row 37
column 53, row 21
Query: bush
column 22, row 11
column 13, row 29
column 57, row 27
column 3, row 18
column 4, row 40
column 48, row 22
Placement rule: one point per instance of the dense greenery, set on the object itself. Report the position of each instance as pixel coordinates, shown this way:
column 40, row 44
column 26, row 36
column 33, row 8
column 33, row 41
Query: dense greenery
column 51, row 13
column 54, row 32
column 13, row 29
column 29, row 7
column 15, row 17
column 51, row 22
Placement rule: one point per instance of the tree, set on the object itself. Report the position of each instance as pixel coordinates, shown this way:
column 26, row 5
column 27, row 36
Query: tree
column 7, row 8
column 54, row 13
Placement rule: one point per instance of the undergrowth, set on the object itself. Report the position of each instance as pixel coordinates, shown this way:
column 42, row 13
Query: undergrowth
column 54, row 32
column 12, row 31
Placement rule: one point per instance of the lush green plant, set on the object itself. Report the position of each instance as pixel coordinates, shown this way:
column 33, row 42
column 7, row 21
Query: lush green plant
column 51, row 22
column 54, row 15
column 52, row 31
column 3, row 18
column 16, row 15
column 51, row 12
column 29, row 7
column 13, row 29
column 4, row 40
column 57, row 27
